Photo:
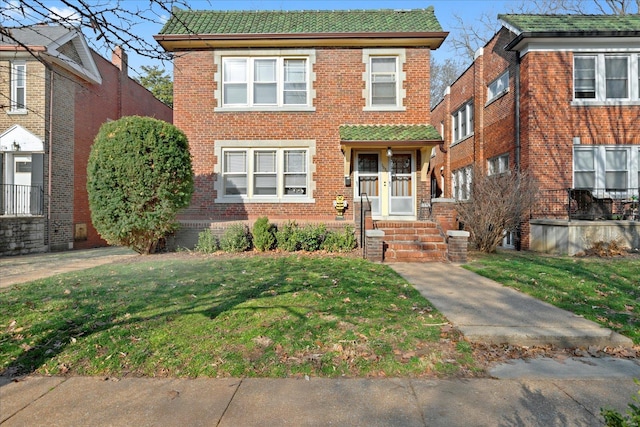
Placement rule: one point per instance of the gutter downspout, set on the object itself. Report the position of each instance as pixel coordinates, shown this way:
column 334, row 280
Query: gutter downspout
column 50, row 161
column 517, row 113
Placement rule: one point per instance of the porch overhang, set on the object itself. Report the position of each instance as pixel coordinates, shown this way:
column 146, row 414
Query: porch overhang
column 422, row 137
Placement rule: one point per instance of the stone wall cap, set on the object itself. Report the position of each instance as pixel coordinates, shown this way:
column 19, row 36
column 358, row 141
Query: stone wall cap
column 458, row 233
column 374, row 233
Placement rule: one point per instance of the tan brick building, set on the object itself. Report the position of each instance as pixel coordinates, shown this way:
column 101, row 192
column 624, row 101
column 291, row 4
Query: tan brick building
column 55, row 92
column 287, row 111
column 559, row 97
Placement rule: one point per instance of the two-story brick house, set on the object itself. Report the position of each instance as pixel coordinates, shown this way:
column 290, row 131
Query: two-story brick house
column 287, row 110
column 55, row 93
column 557, row 96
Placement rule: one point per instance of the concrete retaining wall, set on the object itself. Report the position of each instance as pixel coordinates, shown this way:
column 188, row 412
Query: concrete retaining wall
column 21, row 236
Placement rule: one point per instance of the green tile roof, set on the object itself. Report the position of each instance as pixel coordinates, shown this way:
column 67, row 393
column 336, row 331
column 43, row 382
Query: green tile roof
column 573, row 23
column 389, row 133
column 185, row 22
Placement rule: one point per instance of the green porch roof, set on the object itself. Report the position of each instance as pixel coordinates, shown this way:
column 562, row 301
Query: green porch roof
column 391, row 133
column 572, row 23
column 190, row 22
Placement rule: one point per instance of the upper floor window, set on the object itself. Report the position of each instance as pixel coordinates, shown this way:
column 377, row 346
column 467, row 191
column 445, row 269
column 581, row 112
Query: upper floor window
column 605, row 77
column 498, row 87
column 462, row 122
column 265, row 81
column 498, row 165
column 383, row 79
column 18, row 86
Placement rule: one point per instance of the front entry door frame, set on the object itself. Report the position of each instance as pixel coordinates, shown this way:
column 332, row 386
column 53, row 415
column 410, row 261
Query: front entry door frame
column 401, row 181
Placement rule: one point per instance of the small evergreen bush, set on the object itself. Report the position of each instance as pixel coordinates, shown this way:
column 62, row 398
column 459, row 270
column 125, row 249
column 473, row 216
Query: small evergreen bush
column 286, row 237
column 340, row 241
column 311, row 237
column 207, row 242
column 236, row 238
column 264, row 238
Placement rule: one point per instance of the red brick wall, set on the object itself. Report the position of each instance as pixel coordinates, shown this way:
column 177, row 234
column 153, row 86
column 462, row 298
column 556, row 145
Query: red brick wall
column 117, row 96
column 338, row 86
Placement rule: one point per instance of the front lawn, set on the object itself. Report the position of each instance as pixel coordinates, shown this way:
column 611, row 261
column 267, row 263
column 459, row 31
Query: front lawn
column 605, row 290
column 185, row 315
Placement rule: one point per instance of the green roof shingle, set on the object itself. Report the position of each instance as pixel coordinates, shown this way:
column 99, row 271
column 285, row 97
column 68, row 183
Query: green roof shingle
column 185, row 22
column 389, row 133
column 572, row 23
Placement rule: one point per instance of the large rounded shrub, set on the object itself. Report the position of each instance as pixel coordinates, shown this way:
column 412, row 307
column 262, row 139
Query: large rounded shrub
column 138, row 176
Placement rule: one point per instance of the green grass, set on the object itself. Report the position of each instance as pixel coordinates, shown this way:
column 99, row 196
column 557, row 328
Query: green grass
column 604, row 290
column 203, row 316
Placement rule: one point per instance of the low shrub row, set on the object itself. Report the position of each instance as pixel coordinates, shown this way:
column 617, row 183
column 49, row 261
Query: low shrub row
column 289, row 237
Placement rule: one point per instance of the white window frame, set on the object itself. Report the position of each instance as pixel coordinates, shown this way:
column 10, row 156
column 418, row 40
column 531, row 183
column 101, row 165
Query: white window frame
column 498, row 87
column 250, row 148
column 461, row 180
column 498, row 165
column 250, row 58
column 600, row 168
column 600, row 80
column 462, row 122
column 368, row 56
column 18, row 67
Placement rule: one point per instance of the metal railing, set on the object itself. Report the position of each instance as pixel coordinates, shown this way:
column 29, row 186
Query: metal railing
column 21, row 200
column 588, row 204
column 363, row 226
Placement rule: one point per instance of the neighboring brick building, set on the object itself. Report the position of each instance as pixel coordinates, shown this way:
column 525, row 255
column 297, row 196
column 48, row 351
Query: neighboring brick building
column 285, row 111
column 557, row 96
column 53, row 99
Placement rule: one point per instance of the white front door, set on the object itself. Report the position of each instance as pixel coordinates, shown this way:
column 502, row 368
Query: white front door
column 401, row 191
column 22, row 184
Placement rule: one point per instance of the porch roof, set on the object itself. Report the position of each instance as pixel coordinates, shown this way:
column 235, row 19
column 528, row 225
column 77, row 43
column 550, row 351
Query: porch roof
column 420, row 133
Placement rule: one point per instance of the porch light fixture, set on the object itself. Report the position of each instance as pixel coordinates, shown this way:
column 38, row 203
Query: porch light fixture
column 389, row 152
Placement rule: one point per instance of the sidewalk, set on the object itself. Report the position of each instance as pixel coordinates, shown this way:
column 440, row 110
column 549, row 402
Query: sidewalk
column 539, row 392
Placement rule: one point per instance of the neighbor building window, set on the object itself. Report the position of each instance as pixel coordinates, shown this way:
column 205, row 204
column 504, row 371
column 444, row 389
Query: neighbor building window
column 462, row 122
column 498, row 87
column 498, row 165
column 605, row 77
column 18, row 86
column 265, row 82
column 613, row 169
column 264, row 171
column 461, row 183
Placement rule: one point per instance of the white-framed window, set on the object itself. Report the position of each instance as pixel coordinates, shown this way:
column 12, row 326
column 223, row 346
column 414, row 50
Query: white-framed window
column 612, row 168
column 461, row 181
column 18, row 86
column 606, row 78
column 383, row 78
column 462, row 122
column 264, row 171
column 498, row 87
column 265, row 81
column 498, row 165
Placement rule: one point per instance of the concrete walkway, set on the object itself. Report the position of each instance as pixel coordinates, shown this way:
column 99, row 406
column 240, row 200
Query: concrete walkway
column 539, row 392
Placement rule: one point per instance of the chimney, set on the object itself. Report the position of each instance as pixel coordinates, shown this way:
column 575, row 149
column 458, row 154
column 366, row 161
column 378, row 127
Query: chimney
column 120, row 59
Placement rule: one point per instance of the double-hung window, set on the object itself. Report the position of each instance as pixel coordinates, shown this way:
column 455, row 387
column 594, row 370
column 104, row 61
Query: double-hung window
column 612, row 168
column 384, row 81
column 498, row 165
column 265, row 81
column 606, row 77
column 461, row 183
column 462, row 122
column 18, row 86
column 265, row 173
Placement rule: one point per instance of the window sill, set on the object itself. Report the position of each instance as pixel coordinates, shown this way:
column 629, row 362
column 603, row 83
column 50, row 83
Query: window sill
column 453, row 144
column 605, row 103
column 385, row 108
column 293, row 109
column 17, row 112
column 280, row 200
column 496, row 97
